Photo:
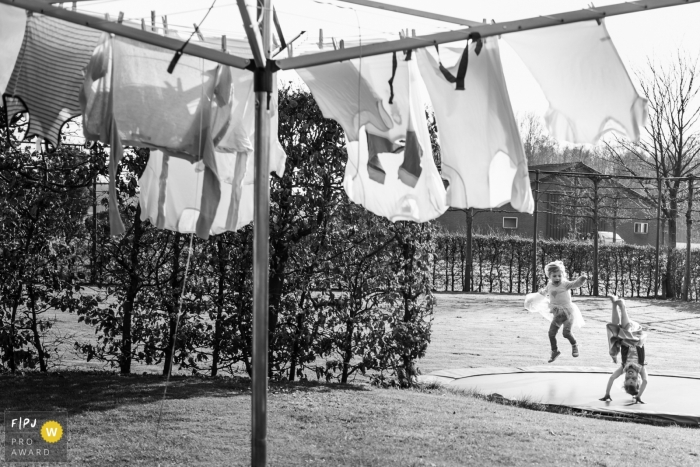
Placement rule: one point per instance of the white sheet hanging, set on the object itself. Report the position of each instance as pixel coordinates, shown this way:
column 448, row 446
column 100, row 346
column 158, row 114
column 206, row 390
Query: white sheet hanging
column 200, row 110
column 171, row 192
column 13, row 22
column 345, row 96
column 482, row 155
column 402, row 182
column 584, row 80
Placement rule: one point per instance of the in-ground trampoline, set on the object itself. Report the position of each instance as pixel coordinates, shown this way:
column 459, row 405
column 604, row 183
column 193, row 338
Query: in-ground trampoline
column 669, row 397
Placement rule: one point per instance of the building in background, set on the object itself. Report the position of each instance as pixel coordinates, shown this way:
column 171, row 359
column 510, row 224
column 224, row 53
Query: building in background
column 566, row 210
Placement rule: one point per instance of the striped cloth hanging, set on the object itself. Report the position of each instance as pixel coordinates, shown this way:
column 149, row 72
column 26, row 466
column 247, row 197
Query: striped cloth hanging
column 48, row 74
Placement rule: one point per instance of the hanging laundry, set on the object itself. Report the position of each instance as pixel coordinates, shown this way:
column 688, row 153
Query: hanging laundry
column 482, row 155
column 48, row 74
column 392, row 173
column 343, row 94
column 129, row 98
column 584, row 80
column 13, row 22
column 171, row 190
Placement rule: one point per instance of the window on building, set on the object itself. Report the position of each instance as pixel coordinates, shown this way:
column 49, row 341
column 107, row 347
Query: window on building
column 510, row 222
column 641, row 227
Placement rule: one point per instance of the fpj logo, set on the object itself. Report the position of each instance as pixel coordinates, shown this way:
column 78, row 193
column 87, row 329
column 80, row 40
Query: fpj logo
column 36, row 437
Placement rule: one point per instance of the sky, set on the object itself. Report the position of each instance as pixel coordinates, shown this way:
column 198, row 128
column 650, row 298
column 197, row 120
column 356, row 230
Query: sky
column 656, row 35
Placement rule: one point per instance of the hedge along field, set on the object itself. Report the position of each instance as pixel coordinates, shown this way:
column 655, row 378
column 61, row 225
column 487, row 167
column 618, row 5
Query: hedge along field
column 502, row 264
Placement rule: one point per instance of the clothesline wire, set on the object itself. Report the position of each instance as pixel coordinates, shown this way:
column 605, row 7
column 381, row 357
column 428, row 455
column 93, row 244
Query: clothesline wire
column 177, row 322
column 201, row 147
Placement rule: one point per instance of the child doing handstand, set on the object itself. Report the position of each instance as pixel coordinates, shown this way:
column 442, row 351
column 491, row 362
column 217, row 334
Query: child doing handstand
column 627, row 338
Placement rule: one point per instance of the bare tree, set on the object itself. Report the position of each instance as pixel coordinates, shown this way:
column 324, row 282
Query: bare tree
column 669, row 145
column 540, row 148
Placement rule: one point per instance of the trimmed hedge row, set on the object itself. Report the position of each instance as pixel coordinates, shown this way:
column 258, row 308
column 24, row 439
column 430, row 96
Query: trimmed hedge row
column 502, row 264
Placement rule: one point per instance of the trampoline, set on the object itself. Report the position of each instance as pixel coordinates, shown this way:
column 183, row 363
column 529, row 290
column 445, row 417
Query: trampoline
column 669, row 398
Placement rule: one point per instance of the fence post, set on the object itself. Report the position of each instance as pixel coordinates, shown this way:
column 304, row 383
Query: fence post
column 688, row 223
column 658, row 237
column 614, row 222
column 468, row 273
column 595, row 236
column 534, row 233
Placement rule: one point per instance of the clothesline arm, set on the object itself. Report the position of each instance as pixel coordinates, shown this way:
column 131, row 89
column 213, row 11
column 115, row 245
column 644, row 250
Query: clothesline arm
column 252, row 31
column 412, row 12
column 41, row 6
column 484, row 30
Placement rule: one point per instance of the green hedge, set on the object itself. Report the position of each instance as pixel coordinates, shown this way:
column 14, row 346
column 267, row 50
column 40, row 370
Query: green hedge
column 502, row 264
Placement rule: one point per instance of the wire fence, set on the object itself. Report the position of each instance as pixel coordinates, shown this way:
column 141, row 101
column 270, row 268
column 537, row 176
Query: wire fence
column 633, row 236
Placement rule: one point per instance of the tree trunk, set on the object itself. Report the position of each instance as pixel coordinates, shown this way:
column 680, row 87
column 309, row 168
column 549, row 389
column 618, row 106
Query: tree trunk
column 281, row 255
column 347, row 354
column 132, row 290
column 35, row 331
column 13, row 319
column 218, row 325
column 172, row 306
column 671, row 246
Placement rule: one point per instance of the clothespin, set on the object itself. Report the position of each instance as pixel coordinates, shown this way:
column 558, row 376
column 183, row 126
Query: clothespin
column 153, row 21
column 165, row 24
column 121, row 17
column 401, row 35
column 199, row 34
column 413, row 33
column 342, row 44
column 592, row 8
column 320, row 38
column 143, row 24
column 223, row 44
column 75, row 6
column 106, row 16
column 335, row 46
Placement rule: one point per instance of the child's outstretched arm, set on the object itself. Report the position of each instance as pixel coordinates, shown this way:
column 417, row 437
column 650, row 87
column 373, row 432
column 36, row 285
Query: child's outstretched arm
column 612, row 379
column 643, row 373
column 580, row 280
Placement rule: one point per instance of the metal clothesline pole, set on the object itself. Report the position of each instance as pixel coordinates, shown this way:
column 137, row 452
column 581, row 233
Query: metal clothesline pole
column 264, row 78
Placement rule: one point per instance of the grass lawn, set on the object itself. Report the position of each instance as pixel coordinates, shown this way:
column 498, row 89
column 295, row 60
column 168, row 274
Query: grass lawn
column 113, row 419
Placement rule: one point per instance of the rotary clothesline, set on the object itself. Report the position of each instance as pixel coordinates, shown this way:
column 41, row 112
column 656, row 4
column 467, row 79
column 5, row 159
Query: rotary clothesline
column 380, row 108
column 497, row 156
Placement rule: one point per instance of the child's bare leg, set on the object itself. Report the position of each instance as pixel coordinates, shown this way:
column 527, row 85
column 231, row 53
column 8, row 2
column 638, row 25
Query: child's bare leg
column 623, row 311
column 615, row 315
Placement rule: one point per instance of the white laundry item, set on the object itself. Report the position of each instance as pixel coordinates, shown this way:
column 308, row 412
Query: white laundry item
column 584, row 80
column 13, row 22
column 339, row 89
column 171, row 192
column 199, row 111
column 482, row 155
column 410, row 187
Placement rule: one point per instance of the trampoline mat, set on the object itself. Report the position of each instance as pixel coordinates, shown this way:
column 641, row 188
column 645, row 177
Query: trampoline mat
column 669, row 397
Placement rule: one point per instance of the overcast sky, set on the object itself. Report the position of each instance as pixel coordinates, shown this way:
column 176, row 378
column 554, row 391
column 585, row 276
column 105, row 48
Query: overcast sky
column 657, row 35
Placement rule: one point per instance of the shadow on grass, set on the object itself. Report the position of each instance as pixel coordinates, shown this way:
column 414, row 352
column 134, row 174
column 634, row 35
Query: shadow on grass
column 78, row 391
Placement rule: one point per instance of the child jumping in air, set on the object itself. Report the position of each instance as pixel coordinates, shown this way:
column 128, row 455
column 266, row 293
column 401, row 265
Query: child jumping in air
column 627, row 338
column 561, row 310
